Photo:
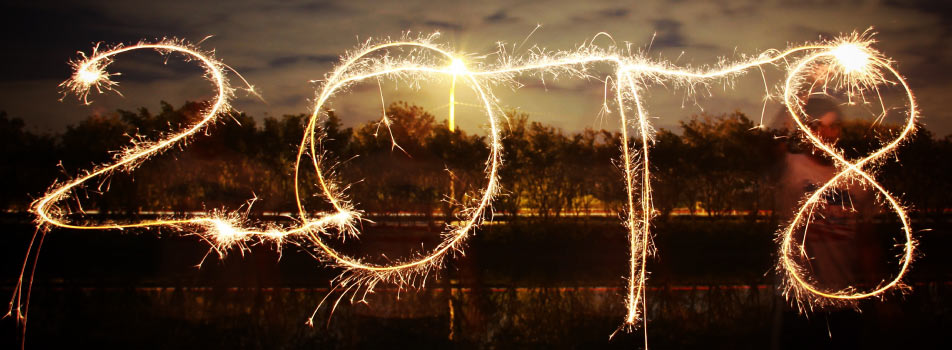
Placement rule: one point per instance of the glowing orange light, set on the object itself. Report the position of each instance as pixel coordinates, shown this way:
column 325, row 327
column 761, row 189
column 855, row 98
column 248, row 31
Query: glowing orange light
column 863, row 69
column 859, row 68
column 852, row 57
column 457, row 68
column 88, row 76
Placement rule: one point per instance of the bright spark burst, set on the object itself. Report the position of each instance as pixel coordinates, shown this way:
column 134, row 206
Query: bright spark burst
column 852, row 57
column 852, row 65
column 87, row 76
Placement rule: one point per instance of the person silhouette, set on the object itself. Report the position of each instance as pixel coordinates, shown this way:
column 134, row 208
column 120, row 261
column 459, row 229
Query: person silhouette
column 836, row 232
column 830, row 234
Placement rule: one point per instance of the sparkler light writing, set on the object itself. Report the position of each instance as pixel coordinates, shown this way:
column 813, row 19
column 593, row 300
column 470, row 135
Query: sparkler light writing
column 856, row 68
column 851, row 65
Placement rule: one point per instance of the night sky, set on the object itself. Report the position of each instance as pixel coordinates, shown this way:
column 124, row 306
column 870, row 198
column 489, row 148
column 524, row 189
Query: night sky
column 282, row 46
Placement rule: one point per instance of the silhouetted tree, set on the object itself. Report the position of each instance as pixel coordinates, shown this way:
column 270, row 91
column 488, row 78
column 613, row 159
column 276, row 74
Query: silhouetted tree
column 30, row 163
column 410, row 163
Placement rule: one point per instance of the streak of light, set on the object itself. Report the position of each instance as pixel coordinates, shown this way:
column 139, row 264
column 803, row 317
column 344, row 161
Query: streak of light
column 852, row 66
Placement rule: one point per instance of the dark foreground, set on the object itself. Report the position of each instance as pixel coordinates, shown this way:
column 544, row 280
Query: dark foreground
column 528, row 285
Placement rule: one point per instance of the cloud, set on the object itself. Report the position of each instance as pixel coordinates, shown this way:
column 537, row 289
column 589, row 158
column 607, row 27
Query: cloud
column 608, row 14
column 317, row 7
column 668, row 34
column 443, row 24
column 285, row 61
column 280, row 46
column 498, row 17
column 614, row 13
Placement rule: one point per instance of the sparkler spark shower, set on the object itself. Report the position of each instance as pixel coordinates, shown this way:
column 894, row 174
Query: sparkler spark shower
column 853, row 66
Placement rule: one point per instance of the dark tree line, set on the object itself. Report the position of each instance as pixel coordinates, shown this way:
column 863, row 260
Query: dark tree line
column 411, row 163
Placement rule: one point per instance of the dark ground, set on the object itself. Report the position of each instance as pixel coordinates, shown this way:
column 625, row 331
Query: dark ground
column 520, row 285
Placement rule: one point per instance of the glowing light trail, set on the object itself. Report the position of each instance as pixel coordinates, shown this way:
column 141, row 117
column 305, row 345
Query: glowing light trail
column 458, row 67
column 865, row 70
column 853, row 64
